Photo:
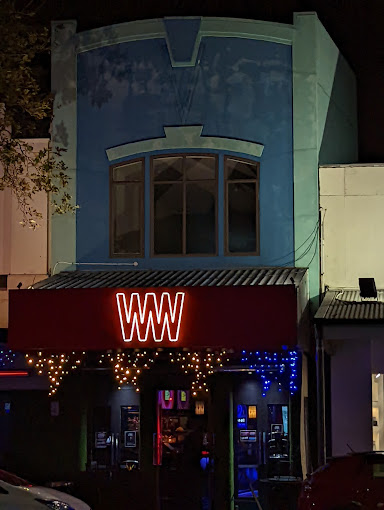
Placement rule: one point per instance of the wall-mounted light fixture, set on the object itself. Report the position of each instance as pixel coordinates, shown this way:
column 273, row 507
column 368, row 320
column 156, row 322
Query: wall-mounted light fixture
column 367, row 288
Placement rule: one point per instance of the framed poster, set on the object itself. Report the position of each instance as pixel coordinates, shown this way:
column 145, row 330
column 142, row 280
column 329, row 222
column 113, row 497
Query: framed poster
column 182, row 399
column 130, row 438
column 167, row 399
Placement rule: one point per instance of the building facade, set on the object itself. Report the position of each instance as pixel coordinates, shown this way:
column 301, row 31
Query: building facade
column 350, row 322
column 23, row 262
column 24, row 253
column 193, row 148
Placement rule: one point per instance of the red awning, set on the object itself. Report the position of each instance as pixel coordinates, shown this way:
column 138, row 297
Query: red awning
column 74, row 319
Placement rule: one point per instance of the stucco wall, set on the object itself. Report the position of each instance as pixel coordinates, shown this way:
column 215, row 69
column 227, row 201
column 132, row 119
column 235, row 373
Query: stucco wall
column 357, row 352
column 23, row 253
column 336, row 103
column 239, row 89
column 324, row 122
column 282, row 86
column 352, row 201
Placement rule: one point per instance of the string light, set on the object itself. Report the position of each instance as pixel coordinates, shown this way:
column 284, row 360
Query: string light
column 280, row 367
column 7, row 357
column 199, row 364
column 54, row 366
column 128, row 366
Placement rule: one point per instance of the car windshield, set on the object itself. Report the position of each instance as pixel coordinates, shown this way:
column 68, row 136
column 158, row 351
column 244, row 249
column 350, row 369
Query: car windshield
column 13, row 479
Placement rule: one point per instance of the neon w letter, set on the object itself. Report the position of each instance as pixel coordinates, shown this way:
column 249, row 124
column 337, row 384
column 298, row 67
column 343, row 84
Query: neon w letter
column 150, row 318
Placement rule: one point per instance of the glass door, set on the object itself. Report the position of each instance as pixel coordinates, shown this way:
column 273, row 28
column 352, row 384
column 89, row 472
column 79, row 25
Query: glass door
column 115, row 434
column 129, row 451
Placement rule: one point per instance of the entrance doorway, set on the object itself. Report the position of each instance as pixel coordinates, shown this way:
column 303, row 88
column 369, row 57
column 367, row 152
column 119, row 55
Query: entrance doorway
column 261, row 435
column 186, row 456
column 114, row 433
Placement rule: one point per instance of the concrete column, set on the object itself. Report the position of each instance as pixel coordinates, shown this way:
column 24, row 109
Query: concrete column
column 64, row 126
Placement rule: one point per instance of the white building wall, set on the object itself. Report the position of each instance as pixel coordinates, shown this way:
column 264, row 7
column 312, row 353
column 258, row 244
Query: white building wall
column 23, row 252
column 352, row 204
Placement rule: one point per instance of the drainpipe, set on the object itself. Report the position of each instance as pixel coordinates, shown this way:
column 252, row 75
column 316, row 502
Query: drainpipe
column 321, row 452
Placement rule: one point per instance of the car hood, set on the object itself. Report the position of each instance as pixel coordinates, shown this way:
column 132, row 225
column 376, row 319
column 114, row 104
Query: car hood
column 46, row 493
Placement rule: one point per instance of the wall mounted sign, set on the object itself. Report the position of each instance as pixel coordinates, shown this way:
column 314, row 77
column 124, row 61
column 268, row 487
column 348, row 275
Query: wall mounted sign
column 241, row 416
column 199, row 407
column 248, row 436
column 150, row 316
column 277, row 428
column 182, row 317
column 101, row 439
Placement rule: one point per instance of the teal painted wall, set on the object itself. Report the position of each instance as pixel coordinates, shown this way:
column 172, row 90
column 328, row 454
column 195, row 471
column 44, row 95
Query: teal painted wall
column 325, row 130
column 339, row 141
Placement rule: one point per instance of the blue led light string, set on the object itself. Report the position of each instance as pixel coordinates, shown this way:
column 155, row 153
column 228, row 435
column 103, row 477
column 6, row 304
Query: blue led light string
column 269, row 367
column 7, row 357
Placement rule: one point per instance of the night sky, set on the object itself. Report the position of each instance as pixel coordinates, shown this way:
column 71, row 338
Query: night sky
column 356, row 26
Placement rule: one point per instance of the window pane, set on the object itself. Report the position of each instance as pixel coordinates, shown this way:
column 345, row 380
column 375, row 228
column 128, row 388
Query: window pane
column 237, row 169
column 200, row 168
column 127, row 218
column 167, row 169
column 130, row 172
column 168, row 219
column 242, row 217
column 201, row 217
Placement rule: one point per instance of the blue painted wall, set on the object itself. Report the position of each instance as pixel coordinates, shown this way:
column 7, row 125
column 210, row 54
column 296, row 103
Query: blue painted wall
column 239, row 89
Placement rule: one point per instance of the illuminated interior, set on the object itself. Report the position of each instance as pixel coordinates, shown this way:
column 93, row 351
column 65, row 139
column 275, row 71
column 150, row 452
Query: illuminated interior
column 378, row 412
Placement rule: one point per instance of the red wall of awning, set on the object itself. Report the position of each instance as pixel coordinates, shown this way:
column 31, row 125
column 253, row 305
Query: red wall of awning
column 62, row 320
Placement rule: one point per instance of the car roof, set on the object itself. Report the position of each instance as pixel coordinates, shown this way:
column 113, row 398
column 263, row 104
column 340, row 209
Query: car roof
column 12, row 479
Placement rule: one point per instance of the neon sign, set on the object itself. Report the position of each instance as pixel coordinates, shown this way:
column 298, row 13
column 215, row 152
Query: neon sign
column 150, row 319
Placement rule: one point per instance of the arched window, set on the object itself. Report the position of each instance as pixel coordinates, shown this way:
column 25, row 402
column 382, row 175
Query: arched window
column 183, row 203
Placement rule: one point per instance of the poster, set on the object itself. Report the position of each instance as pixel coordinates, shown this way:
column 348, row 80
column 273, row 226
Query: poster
column 130, row 439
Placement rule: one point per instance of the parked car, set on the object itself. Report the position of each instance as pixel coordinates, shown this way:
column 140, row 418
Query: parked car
column 346, row 483
column 19, row 494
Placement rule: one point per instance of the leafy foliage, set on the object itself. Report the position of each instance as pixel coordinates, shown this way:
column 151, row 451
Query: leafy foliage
column 22, row 104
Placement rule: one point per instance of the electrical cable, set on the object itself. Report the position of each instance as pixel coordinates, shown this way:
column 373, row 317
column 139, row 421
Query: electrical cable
column 314, row 240
column 298, row 248
column 314, row 253
column 307, row 250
